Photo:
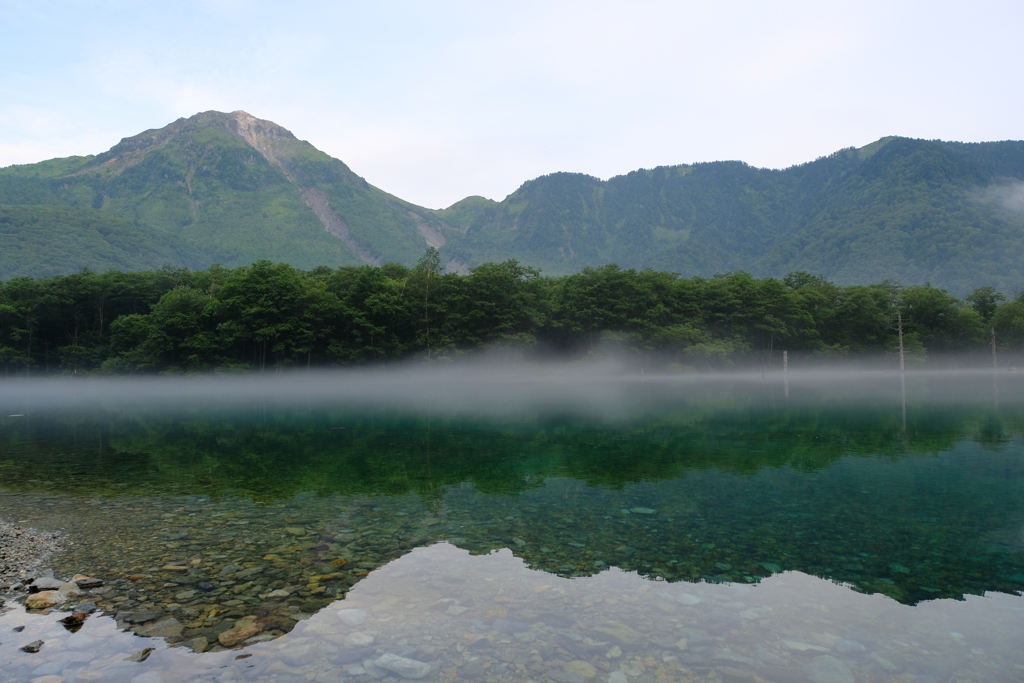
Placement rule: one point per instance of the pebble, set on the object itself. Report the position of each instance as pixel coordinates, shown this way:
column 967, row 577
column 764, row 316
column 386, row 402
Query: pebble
column 845, row 646
column 403, row 666
column 351, row 617
column 626, row 635
column 358, row 639
column 87, row 582
column 828, row 669
column 688, row 599
column 883, row 662
column 580, row 668
column 797, row 646
column 168, row 628
column 32, row 647
column 140, row 656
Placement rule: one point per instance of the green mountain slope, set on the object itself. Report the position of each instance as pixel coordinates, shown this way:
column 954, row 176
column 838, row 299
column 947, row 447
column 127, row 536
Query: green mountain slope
column 225, row 188
column 54, row 240
column 908, row 210
column 231, row 189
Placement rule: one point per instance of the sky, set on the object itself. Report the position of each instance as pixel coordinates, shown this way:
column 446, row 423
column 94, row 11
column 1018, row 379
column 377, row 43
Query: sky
column 436, row 101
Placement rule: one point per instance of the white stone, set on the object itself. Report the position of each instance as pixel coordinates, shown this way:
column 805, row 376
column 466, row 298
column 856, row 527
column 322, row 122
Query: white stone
column 687, row 599
column 151, row 676
column 797, row 646
column 358, row 639
column 69, row 590
column 828, row 669
column 352, row 617
column 883, row 662
column 403, row 666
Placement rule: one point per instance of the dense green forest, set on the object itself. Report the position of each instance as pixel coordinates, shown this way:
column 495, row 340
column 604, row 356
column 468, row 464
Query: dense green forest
column 275, row 316
column 909, row 210
column 233, row 189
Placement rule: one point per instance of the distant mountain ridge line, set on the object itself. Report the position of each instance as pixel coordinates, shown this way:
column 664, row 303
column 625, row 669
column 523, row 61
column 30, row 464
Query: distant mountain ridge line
column 231, row 188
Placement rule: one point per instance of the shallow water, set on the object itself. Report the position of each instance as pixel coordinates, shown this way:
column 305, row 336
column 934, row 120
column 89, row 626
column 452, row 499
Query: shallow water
column 523, row 528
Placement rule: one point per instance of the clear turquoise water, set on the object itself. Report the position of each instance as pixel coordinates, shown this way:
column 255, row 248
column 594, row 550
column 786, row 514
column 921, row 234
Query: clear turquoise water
column 710, row 485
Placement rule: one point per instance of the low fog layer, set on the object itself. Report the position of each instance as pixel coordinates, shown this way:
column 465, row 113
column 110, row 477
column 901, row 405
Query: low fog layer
column 601, row 389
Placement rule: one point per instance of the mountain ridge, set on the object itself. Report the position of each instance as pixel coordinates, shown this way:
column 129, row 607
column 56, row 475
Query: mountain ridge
column 233, row 188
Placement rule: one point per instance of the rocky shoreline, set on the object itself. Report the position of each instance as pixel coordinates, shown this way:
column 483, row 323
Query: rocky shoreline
column 23, row 550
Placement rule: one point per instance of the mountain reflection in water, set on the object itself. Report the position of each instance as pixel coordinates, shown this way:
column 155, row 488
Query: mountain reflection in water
column 439, row 613
column 213, row 511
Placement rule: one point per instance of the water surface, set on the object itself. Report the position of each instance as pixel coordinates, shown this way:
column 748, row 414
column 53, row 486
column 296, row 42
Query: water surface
column 529, row 525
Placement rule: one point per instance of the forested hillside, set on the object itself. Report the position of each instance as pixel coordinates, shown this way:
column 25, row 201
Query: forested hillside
column 233, row 189
column 913, row 211
column 267, row 316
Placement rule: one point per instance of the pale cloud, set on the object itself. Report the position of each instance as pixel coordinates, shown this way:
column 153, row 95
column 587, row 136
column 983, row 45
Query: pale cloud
column 1005, row 194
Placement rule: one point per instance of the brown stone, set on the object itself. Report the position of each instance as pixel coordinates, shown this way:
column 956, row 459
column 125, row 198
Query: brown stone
column 242, row 630
column 620, row 632
column 580, row 668
column 43, row 600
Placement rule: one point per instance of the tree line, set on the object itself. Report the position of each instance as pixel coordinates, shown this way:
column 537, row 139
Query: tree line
column 274, row 316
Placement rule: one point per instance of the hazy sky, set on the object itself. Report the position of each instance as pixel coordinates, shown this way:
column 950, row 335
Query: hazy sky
column 434, row 101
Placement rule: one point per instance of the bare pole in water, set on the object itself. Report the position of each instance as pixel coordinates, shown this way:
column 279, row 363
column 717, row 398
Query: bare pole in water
column 995, row 368
column 995, row 365
column 903, row 376
column 785, row 371
column 899, row 322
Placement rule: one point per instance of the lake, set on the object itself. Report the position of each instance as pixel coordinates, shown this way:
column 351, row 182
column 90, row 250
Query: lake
column 563, row 523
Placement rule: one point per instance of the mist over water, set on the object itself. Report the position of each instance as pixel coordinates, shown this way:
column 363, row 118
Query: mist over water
column 533, row 513
column 606, row 388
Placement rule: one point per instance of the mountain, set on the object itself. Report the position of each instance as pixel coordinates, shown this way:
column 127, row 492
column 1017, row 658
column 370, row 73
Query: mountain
column 913, row 211
column 231, row 189
column 213, row 188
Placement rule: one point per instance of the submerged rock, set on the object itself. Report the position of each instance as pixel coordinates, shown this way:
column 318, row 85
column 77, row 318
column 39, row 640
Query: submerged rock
column 352, row 617
column 168, row 628
column 620, row 632
column 580, row 668
column 828, row 669
column 140, row 656
column 242, row 630
column 403, row 666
